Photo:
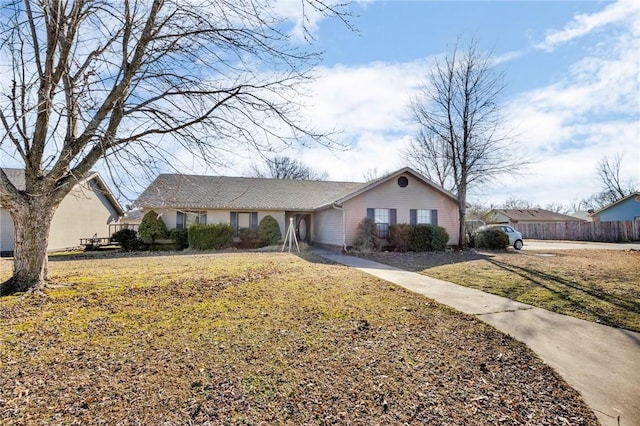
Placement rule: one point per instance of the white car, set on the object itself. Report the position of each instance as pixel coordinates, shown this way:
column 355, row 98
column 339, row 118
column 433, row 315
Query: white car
column 515, row 237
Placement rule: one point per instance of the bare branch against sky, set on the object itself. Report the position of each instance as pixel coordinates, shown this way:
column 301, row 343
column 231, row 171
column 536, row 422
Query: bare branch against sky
column 461, row 142
column 130, row 83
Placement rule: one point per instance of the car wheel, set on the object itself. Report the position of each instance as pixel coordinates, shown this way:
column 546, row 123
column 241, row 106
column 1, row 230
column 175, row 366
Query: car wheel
column 518, row 244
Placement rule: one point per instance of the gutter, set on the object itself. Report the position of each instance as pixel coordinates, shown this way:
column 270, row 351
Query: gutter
column 344, row 227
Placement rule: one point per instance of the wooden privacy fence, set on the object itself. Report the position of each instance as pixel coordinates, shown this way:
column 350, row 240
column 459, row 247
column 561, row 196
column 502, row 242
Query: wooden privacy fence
column 610, row 232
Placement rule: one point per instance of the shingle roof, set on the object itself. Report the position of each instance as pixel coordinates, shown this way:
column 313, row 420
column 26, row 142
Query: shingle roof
column 607, row 207
column 223, row 192
column 16, row 177
column 536, row 214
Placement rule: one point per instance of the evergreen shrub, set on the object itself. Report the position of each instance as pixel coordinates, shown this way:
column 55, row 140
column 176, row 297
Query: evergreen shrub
column 152, row 227
column 210, row 237
column 180, row 238
column 366, row 236
column 128, row 240
column 400, row 236
column 439, row 238
column 420, row 238
column 249, row 238
column 269, row 231
column 491, row 239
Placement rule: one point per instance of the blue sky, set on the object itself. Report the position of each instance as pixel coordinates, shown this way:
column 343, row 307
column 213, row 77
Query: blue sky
column 572, row 75
column 572, row 71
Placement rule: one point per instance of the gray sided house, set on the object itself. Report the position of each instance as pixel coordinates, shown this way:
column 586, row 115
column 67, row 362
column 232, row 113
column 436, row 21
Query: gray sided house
column 86, row 211
column 324, row 213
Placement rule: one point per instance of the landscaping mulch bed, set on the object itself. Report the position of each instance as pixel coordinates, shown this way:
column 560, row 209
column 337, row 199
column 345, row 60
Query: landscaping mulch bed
column 259, row 339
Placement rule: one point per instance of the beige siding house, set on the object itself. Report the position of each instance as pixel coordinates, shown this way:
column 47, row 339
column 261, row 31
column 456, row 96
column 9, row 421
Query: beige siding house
column 324, row 213
column 86, row 211
column 523, row 216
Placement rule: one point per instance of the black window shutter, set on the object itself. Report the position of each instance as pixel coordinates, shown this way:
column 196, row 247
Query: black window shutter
column 370, row 213
column 234, row 222
column 180, row 220
column 254, row 220
column 413, row 216
column 393, row 216
column 434, row 217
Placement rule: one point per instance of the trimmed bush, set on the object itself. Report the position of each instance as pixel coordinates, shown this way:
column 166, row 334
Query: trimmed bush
column 210, row 237
column 420, row 238
column 249, row 238
column 366, row 236
column 400, row 236
column 152, row 227
column 128, row 240
column 428, row 238
column 439, row 238
column 180, row 238
column 269, row 231
column 491, row 238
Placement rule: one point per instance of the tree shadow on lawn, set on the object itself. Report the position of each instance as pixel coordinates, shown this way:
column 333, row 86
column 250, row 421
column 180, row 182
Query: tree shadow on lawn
column 567, row 290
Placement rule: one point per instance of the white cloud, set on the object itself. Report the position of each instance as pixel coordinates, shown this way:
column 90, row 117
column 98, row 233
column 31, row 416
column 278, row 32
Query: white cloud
column 583, row 24
column 367, row 106
column 565, row 127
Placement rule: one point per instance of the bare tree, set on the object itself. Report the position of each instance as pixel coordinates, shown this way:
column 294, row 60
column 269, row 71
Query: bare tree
column 128, row 82
column 613, row 186
column 558, row 208
column 518, row 204
column 370, row 175
column 286, row 168
column 428, row 154
column 460, row 143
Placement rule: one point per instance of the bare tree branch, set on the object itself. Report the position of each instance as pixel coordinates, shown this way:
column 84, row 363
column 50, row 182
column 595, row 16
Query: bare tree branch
column 133, row 81
column 461, row 143
column 286, row 168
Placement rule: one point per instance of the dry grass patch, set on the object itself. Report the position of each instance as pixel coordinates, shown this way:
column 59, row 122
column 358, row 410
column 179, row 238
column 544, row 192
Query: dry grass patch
column 597, row 285
column 259, row 339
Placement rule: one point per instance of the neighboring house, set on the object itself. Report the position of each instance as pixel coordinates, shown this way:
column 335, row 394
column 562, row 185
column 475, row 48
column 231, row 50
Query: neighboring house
column 523, row 216
column 627, row 208
column 86, row 211
column 129, row 220
column 325, row 213
column 583, row 214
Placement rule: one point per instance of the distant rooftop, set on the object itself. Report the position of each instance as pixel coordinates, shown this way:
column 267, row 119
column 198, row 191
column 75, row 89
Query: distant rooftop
column 541, row 215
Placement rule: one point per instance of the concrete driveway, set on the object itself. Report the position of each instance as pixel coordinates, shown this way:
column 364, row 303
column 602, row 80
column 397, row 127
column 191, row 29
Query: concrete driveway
column 577, row 245
column 601, row 362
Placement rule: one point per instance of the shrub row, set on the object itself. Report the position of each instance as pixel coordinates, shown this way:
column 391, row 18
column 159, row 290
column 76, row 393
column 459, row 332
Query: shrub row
column 404, row 237
column 210, row 237
column 267, row 234
column 198, row 236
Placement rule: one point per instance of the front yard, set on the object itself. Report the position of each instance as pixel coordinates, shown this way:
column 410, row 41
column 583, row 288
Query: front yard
column 258, row 338
column 597, row 285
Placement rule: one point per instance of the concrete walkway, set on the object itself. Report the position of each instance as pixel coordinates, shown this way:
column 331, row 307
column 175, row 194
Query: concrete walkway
column 601, row 362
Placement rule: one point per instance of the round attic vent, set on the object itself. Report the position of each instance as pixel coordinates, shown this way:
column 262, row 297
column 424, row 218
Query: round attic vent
column 403, row 181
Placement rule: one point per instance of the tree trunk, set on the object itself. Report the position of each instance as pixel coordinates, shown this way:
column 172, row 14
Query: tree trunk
column 32, row 222
column 462, row 229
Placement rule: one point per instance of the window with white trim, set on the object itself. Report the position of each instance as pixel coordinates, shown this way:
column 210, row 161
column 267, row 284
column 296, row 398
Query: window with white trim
column 185, row 219
column 381, row 218
column 243, row 220
column 423, row 217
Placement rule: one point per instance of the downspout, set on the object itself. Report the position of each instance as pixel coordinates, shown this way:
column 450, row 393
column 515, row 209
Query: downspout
column 344, row 227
